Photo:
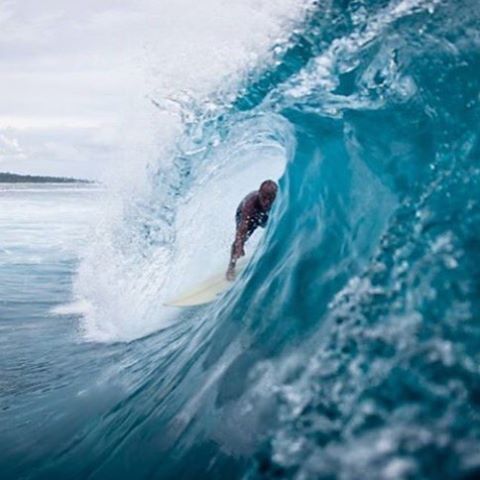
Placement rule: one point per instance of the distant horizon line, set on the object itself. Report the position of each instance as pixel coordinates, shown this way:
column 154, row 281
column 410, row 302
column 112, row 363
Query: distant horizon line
column 10, row 177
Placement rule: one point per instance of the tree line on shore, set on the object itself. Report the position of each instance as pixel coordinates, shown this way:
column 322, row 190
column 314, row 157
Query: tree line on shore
column 7, row 177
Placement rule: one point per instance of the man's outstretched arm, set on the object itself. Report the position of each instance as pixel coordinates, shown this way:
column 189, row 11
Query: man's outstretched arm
column 238, row 245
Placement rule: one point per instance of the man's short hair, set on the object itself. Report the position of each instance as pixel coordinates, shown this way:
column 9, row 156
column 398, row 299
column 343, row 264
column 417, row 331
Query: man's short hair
column 269, row 186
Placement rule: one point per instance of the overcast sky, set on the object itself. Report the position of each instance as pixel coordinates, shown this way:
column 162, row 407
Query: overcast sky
column 67, row 71
column 71, row 73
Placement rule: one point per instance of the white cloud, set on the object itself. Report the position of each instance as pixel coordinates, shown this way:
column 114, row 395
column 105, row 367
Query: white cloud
column 9, row 144
column 10, row 147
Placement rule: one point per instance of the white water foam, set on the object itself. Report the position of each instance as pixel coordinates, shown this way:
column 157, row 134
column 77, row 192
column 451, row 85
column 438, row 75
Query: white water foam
column 142, row 252
column 320, row 76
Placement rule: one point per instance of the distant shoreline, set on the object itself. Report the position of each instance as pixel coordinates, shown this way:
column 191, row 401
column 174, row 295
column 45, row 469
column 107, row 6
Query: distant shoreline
column 7, row 177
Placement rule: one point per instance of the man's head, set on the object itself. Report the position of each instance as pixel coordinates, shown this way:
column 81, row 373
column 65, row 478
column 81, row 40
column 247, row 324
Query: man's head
column 267, row 193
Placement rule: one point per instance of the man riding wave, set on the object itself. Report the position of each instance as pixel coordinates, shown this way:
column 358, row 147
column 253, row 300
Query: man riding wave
column 252, row 212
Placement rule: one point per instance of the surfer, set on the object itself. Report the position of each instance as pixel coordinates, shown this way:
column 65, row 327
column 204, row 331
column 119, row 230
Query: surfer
column 251, row 213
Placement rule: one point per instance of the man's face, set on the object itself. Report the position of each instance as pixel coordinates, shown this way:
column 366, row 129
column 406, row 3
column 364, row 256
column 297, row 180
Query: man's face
column 267, row 199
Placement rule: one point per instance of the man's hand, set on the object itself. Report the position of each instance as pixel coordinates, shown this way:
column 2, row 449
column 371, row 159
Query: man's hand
column 239, row 252
column 231, row 273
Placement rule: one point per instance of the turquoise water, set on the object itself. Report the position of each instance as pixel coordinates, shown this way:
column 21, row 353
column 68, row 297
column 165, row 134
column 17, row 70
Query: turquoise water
column 43, row 228
column 348, row 348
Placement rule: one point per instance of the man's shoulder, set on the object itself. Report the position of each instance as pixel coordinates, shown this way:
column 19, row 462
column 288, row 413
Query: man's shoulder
column 252, row 196
column 250, row 200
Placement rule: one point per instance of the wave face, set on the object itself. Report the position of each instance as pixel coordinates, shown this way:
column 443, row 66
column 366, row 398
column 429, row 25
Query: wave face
column 349, row 347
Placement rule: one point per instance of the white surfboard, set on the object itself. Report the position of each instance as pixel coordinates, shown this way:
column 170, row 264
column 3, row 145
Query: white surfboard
column 207, row 291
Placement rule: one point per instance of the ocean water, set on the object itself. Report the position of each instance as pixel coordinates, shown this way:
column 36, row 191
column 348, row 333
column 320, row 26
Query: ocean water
column 349, row 347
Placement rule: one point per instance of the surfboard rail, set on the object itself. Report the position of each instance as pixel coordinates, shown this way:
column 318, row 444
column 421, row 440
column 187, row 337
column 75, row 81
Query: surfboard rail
column 207, row 291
